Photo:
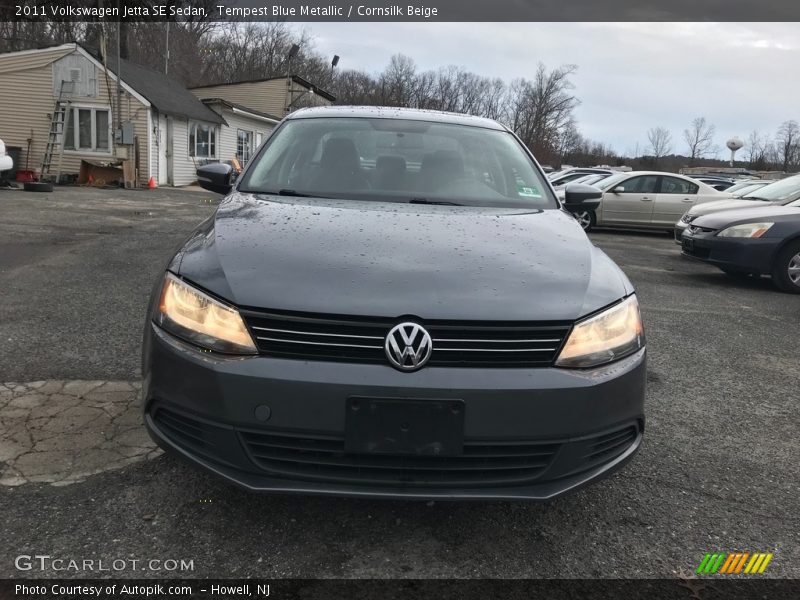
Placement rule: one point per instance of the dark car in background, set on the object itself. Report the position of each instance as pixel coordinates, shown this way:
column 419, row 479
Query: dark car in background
column 778, row 192
column 394, row 303
column 759, row 241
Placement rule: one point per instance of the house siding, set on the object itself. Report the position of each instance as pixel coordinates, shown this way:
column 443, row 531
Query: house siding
column 21, row 118
column 264, row 96
column 183, row 166
column 228, row 135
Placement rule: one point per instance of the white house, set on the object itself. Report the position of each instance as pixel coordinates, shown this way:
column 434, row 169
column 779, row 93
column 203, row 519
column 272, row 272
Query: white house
column 169, row 130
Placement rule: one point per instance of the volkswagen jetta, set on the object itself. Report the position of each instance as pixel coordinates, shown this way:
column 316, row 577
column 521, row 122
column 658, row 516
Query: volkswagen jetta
column 395, row 303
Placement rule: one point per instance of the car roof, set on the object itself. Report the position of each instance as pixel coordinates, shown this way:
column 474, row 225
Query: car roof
column 384, row 112
column 657, row 173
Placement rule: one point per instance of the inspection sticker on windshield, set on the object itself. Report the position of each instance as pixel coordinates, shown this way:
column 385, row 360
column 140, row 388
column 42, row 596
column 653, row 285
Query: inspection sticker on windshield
column 528, row 192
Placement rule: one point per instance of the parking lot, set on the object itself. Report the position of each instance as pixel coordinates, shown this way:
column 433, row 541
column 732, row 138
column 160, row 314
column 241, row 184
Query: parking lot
column 718, row 470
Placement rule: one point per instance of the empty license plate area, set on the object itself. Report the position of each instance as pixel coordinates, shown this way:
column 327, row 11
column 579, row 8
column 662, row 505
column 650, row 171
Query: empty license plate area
column 404, row 426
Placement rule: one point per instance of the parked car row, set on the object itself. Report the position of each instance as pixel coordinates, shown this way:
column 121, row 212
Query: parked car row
column 779, row 192
column 750, row 229
column 758, row 234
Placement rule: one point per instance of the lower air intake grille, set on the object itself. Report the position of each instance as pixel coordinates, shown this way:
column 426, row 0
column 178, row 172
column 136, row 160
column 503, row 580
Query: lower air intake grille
column 322, row 458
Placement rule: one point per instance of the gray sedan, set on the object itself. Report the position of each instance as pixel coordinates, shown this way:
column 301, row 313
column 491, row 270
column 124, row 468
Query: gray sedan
column 394, row 303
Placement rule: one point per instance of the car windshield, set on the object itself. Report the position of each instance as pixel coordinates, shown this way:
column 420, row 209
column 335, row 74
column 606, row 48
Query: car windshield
column 397, row 160
column 744, row 192
column 785, row 189
column 741, row 186
column 610, row 181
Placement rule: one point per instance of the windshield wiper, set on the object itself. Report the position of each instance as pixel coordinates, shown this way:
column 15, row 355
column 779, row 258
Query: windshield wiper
column 295, row 193
column 434, row 202
column 755, row 198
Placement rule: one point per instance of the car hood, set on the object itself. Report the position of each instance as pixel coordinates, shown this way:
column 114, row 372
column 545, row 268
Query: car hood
column 392, row 260
column 762, row 212
column 718, row 205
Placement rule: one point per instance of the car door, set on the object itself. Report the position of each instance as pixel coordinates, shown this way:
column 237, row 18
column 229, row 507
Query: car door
column 675, row 197
column 632, row 204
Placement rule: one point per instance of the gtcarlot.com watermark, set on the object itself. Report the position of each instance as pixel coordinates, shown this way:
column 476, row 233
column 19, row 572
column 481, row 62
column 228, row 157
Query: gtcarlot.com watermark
column 34, row 563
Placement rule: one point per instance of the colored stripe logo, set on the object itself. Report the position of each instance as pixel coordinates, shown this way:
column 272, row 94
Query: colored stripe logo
column 734, row 563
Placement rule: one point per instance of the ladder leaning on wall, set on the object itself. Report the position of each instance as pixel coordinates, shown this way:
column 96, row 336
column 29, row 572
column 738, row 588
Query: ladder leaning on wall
column 55, row 139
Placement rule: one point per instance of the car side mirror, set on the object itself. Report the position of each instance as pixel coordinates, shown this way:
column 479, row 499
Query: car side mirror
column 618, row 190
column 216, row 177
column 578, row 196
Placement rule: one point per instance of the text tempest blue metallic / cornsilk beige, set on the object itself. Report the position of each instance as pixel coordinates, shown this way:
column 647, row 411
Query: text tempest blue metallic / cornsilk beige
column 394, row 303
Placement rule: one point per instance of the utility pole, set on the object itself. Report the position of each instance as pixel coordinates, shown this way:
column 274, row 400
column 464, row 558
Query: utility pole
column 166, row 54
column 119, row 77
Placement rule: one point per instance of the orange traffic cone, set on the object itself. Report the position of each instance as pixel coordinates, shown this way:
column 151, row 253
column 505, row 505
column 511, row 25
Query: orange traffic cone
column 151, row 185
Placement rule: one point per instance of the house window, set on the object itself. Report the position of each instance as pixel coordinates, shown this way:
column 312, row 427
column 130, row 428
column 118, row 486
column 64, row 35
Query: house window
column 202, row 140
column 244, row 145
column 93, row 130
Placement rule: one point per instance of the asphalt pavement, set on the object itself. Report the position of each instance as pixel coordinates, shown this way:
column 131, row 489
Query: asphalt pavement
column 718, row 470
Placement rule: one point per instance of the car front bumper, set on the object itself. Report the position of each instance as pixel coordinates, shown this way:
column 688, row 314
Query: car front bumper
column 679, row 229
column 279, row 425
column 737, row 254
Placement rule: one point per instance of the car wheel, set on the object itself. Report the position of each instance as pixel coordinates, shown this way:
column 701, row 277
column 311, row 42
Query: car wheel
column 38, row 186
column 786, row 270
column 586, row 219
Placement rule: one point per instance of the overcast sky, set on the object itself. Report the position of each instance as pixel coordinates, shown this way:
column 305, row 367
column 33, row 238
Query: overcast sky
column 631, row 76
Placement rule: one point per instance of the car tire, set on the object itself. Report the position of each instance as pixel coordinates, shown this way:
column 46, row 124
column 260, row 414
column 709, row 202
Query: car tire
column 38, row 186
column 786, row 270
column 586, row 219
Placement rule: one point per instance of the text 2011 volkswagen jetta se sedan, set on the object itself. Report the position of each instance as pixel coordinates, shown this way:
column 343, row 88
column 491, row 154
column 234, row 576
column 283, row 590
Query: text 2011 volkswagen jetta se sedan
column 394, row 303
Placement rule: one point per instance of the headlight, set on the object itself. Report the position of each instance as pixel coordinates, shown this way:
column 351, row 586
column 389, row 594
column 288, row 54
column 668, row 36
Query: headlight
column 748, row 230
column 610, row 335
column 686, row 218
column 190, row 314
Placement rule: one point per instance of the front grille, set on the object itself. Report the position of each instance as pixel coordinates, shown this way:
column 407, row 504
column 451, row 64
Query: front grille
column 322, row 458
column 357, row 339
column 697, row 252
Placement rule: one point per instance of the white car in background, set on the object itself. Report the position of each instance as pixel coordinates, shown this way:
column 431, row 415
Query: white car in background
column 6, row 164
column 778, row 192
column 646, row 199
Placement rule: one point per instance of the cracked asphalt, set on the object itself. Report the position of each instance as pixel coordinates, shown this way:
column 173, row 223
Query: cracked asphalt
column 79, row 479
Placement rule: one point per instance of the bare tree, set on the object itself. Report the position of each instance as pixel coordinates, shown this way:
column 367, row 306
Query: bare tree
column 398, row 81
column 787, row 144
column 660, row 142
column 540, row 109
column 699, row 138
column 757, row 145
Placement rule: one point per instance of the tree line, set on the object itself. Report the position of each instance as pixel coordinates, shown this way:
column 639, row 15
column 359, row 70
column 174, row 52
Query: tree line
column 539, row 108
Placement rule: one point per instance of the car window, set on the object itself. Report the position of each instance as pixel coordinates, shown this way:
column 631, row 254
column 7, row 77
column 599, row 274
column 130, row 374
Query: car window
column 398, row 160
column 611, row 181
column 742, row 185
column 568, row 178
column 744, row 190
column 644, row 184
column 673, row 185
column 784, row 189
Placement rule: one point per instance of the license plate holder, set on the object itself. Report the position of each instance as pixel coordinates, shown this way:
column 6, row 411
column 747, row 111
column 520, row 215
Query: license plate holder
column 404, row 426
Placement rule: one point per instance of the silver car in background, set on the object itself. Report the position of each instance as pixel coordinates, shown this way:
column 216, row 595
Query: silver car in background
column 646, row 199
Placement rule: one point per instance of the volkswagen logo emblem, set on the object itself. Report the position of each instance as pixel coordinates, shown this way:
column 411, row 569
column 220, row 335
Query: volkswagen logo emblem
column 408, row 346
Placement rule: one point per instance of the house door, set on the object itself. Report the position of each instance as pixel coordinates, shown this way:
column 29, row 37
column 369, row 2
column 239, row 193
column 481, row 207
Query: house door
column 163, row 178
